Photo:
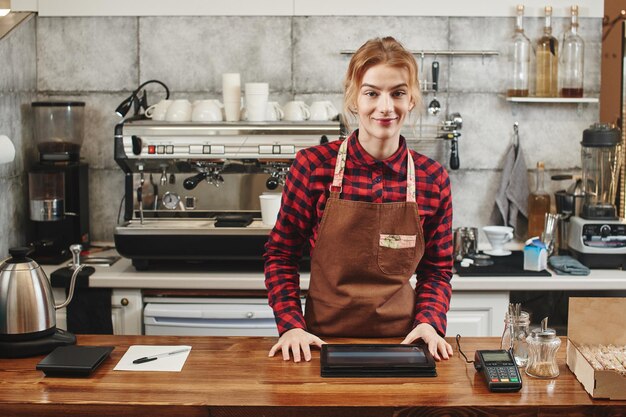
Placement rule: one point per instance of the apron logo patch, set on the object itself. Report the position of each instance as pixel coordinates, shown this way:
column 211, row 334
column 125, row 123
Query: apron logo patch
column 397, row 241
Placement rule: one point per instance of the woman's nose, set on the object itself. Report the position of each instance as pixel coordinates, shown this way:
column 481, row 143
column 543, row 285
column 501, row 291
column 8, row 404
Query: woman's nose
column 385, row 103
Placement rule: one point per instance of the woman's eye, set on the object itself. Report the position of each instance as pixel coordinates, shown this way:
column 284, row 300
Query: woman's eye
column 370, row 93
column 399, row 93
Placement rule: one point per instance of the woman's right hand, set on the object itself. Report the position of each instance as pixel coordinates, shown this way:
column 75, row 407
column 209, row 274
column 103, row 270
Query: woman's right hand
column 296, row 340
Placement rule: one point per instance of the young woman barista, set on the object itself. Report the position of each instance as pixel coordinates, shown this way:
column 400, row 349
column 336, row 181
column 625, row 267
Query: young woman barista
column 374, row 213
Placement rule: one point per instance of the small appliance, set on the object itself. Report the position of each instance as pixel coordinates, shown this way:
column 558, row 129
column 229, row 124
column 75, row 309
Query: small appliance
column 27, row 308
column 597, row 237
column 58, row 182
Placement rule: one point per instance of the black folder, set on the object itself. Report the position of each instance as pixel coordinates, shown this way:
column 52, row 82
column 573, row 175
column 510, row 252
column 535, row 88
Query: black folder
column 74, row 360
column 376, row 360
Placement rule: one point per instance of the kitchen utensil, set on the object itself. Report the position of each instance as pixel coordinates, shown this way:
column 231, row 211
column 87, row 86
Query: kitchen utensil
column 465, row 242
column 434, row 107
column 28, row 304
column 498, row 236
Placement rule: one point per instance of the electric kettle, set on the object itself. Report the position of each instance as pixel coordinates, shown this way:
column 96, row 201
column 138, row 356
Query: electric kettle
column 27, row 309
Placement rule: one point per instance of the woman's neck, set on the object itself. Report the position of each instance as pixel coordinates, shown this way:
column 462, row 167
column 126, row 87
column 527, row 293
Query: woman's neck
column 380, row 149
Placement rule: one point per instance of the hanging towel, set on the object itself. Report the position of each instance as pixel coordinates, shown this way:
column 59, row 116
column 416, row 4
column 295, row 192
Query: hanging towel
column 511, row 206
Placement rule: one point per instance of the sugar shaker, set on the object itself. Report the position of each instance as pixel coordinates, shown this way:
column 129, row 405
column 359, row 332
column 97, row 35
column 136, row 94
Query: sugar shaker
column 542, row 347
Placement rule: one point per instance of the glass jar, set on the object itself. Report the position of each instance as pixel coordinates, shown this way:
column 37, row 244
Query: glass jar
column 542, row 347
column 516, row 329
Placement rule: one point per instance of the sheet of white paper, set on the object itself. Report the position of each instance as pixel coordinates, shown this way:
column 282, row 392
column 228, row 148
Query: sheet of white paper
column 172, row 363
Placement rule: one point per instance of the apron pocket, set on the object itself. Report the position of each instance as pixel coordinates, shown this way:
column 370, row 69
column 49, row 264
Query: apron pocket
column 397, row 241
column 396, row 254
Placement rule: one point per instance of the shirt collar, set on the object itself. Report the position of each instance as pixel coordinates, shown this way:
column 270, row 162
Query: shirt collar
column 395, row 162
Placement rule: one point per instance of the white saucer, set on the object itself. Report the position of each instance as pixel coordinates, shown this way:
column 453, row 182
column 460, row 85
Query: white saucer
column 497, row 252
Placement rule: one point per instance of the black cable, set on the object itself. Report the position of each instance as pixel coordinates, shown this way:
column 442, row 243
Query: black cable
column 458, row 345
column 119, row 211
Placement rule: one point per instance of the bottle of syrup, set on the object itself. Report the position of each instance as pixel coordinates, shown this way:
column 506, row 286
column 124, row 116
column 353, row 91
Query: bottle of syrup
column 538, row 205
column 547, row 60
column 519, row 59
column 572, row 60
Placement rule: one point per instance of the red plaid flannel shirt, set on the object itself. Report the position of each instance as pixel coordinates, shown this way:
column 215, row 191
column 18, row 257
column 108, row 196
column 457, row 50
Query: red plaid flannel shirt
column 365, row 179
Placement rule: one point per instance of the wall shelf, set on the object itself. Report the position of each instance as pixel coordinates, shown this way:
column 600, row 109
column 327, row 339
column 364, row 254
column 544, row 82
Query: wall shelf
column 575, row 100
column 423, row 53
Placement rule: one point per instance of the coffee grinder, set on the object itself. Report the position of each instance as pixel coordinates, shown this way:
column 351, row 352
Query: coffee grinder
column 598, row 237
column 58, row 182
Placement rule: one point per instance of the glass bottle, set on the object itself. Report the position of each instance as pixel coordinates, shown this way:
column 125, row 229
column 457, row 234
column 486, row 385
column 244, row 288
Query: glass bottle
column 516, row 330
column 572, row 60
column 547, row 60
column 519, row 56
column 538, row 205
column 542, row 347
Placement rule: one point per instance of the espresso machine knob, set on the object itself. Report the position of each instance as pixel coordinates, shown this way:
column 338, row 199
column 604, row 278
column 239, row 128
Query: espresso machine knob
column 272, row 183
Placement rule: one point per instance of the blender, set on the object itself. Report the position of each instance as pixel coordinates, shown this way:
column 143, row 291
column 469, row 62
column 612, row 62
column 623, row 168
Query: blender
column 58, row 182
column 597, row 238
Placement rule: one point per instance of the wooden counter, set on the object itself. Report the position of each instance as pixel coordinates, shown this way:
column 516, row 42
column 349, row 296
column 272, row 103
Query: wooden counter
column 232, row 376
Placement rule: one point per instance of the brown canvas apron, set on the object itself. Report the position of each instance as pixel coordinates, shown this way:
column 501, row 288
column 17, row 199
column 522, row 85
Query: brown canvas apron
column 364, row 256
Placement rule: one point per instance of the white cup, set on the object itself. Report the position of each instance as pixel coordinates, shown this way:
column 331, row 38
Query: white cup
column 231, row 91
column 498, row 236
column 273, row 111
column 207, row 111
column 323, row 110
column 296, row 111
column 179, row 111
column 158, row 111
column 270, row 206
column 7, row 150
column 256, row 95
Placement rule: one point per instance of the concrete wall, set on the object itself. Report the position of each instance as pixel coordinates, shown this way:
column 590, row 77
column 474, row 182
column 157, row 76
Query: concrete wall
column 17, row 89
column 99, row 60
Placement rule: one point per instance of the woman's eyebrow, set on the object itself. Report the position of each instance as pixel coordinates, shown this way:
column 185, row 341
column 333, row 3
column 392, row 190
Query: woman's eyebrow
column 378, row 88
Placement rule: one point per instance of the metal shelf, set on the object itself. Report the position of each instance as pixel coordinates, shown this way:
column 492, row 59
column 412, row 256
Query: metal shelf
column 553, row 99
column 423, row 53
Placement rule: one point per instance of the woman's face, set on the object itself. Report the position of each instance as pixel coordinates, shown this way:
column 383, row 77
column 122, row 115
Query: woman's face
column 383, row 102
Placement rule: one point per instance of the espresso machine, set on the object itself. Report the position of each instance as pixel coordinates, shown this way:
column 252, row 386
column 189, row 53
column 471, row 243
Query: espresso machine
column 192, row 189
column 597, row 237
column 58, row 182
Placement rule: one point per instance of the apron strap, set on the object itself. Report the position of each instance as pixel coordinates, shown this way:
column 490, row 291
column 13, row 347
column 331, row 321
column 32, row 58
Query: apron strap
column 340, row 166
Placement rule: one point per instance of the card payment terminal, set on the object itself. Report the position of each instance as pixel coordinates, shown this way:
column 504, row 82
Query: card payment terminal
column 499, row 370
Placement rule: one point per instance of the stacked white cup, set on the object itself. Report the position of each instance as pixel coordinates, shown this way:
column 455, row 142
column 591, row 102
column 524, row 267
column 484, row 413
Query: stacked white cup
column 256, row 96
column 231, row 89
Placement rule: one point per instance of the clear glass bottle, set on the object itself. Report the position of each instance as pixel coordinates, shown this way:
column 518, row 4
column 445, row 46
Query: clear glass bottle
column 538, row 205
column 519, row 59
column 572, row 60
column 547, row 60
column 516, row 330
column 542, row 347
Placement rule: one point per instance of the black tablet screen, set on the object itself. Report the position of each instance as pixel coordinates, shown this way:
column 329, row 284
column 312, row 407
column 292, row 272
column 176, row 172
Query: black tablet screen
column 375, row 356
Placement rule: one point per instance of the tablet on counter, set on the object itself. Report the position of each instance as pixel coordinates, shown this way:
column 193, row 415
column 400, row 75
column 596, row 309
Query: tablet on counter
column 376, row 360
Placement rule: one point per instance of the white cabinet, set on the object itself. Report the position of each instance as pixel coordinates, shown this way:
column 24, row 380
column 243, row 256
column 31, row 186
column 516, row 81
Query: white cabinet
column 126, row 311
column 474, row 313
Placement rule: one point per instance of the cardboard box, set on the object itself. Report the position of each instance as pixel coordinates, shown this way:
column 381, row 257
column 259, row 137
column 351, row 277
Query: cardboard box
column 593, row 321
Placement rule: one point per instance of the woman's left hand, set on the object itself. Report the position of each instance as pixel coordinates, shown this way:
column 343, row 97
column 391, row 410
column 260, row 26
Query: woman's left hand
column 437, row 345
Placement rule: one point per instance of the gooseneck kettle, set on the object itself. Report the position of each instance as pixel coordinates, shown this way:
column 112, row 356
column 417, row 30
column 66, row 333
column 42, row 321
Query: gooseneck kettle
column 27, row 308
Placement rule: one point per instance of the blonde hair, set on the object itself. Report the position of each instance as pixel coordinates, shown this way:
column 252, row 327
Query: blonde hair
column 377, row 51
